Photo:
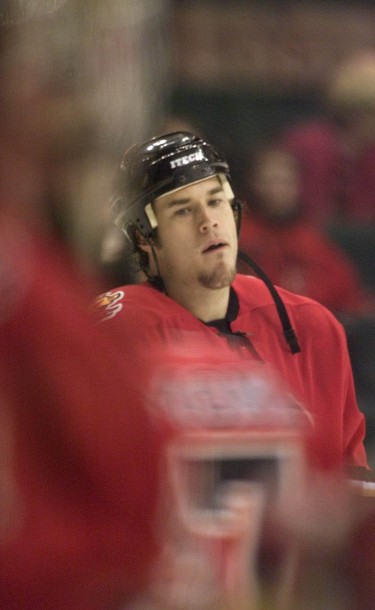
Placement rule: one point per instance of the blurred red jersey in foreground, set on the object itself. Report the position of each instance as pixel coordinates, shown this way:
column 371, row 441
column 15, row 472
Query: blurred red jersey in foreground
column 79, row 471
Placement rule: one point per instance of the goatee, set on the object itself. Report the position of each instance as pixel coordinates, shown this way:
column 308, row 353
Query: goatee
column 219, row 277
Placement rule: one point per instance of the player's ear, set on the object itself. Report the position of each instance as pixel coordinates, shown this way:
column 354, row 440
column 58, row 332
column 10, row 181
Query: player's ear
column 142, row 243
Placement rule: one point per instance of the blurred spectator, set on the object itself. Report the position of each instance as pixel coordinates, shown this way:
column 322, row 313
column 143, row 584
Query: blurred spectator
column 337, row 153
column 294, row 254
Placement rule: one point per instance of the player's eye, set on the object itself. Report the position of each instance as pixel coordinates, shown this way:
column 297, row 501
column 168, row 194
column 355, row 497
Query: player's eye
column 215, row 202
column 182, row 211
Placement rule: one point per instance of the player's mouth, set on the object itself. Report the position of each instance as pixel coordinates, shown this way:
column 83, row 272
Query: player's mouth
column 214, row 246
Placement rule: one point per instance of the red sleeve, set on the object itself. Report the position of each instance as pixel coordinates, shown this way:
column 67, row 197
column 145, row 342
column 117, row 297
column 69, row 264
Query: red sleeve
column 353, row 420
column 328, row 376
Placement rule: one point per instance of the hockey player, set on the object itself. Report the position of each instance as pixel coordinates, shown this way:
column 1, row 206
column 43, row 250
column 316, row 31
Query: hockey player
column 175, row 202
column 257, row 381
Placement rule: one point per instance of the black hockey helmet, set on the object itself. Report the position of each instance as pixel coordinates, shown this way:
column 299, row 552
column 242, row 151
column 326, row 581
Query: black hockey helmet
column 158, row 166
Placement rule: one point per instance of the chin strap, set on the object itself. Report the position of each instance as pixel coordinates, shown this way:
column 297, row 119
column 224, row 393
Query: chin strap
column 288, row 331
column 156, row 280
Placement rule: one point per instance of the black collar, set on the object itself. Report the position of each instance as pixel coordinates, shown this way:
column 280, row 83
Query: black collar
column 223, row 324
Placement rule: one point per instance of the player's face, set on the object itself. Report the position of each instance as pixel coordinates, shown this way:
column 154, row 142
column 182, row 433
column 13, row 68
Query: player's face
column 196, row 237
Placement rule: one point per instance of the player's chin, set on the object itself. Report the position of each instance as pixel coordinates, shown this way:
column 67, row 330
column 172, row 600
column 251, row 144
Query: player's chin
column 219, row 277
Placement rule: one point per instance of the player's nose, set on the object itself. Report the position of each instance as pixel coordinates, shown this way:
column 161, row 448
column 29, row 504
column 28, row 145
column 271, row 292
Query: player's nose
column 207, row 219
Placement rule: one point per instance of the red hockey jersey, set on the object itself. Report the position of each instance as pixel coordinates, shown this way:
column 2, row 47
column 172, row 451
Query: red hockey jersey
column 251, row 419
column 319, row 377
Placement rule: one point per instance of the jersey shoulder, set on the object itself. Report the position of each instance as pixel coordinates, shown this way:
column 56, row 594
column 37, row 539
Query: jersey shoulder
column 305, row 312
column 140, row 305
column 128, row 300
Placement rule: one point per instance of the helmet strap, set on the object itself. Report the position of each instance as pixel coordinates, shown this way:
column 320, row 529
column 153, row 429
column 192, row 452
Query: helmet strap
column 157, row 279
column 237, row 211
